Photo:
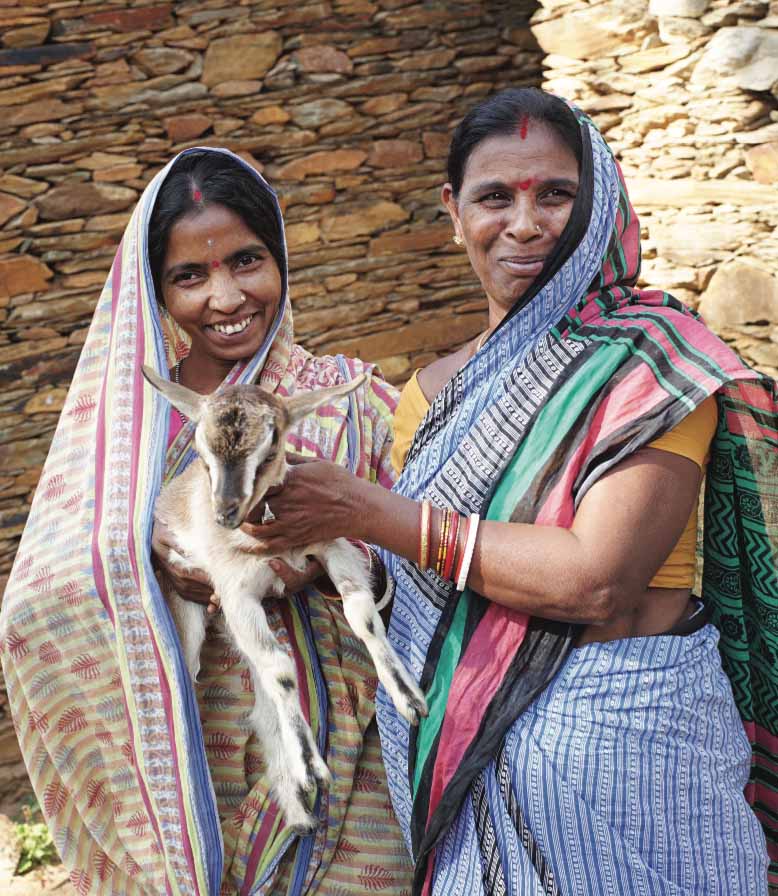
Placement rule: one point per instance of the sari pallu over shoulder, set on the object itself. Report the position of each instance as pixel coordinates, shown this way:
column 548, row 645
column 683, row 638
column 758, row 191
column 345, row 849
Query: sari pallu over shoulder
column 105, row 713
column 556, row 399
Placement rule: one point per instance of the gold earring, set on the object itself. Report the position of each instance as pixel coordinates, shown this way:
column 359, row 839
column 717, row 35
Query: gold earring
column 458, row 240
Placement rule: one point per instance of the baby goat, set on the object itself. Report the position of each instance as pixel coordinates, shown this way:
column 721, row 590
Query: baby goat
column 240, row 437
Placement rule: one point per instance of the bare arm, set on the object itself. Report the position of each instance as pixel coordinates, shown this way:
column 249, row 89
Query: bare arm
column 592, row 573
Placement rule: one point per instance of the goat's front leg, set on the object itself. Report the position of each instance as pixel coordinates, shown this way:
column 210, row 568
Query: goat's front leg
column 294, row 765
column 345, row 565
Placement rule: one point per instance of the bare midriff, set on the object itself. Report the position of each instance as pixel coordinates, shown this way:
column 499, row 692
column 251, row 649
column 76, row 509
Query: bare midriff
column 656, row 613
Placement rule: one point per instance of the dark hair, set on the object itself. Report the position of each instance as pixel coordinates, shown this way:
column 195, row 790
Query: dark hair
column 502, row 114
column 198, row 179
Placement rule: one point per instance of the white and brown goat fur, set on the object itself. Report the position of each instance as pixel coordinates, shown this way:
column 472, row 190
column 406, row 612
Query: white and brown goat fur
column 240, row 437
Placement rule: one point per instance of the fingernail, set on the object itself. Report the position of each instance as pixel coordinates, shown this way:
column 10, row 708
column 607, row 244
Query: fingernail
column 275, row 566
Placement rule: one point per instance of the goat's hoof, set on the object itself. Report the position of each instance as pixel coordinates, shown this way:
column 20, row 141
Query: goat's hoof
column 413, row 709
column 409, row 701
column 320, row 773
column 304, row 828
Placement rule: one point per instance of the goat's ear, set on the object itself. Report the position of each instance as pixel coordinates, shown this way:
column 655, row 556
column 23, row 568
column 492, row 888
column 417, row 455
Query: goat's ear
column 185, row 400
column 301, row 404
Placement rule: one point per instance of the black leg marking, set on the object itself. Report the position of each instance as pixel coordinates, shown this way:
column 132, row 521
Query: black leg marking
column 286, row 683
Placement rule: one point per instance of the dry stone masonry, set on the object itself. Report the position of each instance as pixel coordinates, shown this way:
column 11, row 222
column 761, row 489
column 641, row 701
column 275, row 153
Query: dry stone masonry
column 347, row 107
column 685, row 92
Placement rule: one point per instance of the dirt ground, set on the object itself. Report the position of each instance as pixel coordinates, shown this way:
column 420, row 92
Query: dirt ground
column 51, row 879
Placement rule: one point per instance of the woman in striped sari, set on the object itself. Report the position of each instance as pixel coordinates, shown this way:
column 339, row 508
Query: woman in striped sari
column 584, row 737
column 151, row 785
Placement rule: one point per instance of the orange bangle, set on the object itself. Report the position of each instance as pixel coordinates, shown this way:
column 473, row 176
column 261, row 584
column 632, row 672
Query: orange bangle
column 443, row 536
column 424, row 535
column 451, row 545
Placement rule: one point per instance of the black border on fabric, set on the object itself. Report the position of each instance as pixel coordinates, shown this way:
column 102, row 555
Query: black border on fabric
column 542, row 652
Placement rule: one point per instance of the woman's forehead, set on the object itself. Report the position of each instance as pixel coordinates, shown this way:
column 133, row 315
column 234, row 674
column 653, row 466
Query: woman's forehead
column 534, row 148
column 204, row 228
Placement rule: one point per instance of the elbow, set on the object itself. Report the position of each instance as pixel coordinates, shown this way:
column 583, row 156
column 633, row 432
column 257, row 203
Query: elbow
column 601, row 604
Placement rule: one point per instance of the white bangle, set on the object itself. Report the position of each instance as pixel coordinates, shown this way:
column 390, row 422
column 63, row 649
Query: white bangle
column 467, row 557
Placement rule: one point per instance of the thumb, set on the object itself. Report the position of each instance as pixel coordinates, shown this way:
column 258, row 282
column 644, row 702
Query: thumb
column 295, row 459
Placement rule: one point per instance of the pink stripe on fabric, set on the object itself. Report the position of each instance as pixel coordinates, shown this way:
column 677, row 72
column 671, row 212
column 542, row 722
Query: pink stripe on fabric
column 478, row 676
column 692, row 330
column 302, row 675
column 745, row 425
column 426, row 889
column 176, row 424
column 757, row 396
column 264, row 832
column 97, row 563
column 620, row 408
column 165, row 690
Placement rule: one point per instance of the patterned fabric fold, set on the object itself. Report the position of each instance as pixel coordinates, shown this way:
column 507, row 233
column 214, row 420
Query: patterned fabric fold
column 570, row 384
column 148, row 784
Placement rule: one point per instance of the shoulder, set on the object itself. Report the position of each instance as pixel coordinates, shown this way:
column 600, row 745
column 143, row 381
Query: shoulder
column 434, row 376
column 319, row 371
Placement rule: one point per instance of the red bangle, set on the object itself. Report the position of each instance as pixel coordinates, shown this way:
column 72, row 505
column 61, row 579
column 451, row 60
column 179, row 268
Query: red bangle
column 466, row 531
column 451, row 546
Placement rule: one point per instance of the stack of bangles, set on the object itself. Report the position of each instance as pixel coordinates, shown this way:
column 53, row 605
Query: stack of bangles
column 456, row 543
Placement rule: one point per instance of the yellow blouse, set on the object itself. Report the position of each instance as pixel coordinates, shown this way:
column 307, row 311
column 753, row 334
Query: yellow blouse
column 691, row 438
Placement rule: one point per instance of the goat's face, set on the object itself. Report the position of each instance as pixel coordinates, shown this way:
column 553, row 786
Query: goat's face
column 239, row 438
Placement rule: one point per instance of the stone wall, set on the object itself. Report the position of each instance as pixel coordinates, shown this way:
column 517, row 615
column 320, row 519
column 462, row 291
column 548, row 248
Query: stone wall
column 347, row 106
column 685, row 93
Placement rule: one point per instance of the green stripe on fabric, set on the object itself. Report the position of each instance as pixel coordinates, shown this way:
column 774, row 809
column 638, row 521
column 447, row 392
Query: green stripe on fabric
column 690, row 350
column 640, row 353
column 555, row 419
column 437, row 696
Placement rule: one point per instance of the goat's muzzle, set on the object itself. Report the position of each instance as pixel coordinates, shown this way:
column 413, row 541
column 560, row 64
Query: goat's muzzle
column 229, row 515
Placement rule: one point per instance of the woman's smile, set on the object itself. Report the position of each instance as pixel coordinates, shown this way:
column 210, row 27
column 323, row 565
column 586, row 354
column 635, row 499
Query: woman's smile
column 516, row 198
column 523, row 267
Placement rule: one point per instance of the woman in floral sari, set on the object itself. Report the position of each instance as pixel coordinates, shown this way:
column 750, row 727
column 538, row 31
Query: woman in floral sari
column 151, row 785
column 584, row 737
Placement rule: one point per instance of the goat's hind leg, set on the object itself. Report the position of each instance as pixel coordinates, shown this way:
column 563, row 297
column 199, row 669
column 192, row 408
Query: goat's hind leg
column 291, row 797
column 190, row 621
column 346, row 568
column 294, row 764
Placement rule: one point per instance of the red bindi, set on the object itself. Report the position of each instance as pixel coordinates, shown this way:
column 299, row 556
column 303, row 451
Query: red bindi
column 215, row 264
column 523, row 127
column 525, row 184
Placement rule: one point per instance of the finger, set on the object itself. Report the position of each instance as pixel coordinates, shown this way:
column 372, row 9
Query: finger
column 294, row 459
column 294, row 579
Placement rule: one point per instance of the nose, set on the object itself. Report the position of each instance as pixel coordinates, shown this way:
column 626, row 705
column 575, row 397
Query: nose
column 523, row 221
column 227, row 515
column 226, row 295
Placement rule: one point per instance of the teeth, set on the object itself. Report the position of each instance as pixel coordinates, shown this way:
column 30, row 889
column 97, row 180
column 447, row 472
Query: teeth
column 229, row 329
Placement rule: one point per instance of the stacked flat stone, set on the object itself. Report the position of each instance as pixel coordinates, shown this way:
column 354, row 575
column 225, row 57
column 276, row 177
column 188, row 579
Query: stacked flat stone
column 686, row 92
